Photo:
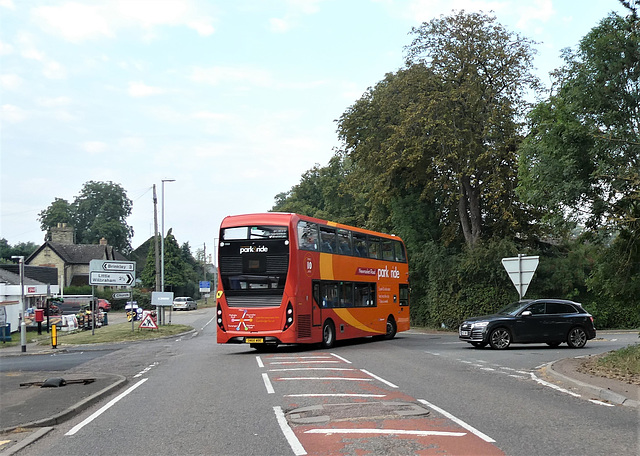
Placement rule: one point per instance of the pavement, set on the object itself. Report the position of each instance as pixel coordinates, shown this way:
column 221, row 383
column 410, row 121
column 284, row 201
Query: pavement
column 29, row 411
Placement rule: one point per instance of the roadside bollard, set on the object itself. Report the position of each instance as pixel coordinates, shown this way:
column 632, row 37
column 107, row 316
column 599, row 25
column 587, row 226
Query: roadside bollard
column 54, row 336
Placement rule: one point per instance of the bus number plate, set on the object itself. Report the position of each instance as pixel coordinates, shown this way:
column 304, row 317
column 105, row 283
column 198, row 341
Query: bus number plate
column 253, row 340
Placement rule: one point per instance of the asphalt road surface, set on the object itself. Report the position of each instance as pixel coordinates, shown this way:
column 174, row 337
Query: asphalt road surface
column 417, row 394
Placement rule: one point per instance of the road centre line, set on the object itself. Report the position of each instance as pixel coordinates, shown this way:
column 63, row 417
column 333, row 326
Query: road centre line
column 207, row 323
column 312, row 368
column 386, row 432
column 103, row 409
column 301, row 357
column 380, row 379
column 147, row 369
column 334, row 395
column 267, row 384
column 294, row 443
column 341, row 358
column 305, row 362
column 348, row 379
column 468, row 427
column 259, row 361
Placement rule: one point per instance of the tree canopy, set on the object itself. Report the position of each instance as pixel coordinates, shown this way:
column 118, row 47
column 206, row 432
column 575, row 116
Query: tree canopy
column 100, row 210
column 447, row 153
column 449, row 123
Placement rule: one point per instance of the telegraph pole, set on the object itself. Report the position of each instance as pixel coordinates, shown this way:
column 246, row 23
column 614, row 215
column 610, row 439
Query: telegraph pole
column 155, row 237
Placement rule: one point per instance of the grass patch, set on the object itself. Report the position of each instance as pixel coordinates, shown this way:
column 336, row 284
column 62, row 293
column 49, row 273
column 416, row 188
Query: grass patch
column 120, row 332
column 623, row 364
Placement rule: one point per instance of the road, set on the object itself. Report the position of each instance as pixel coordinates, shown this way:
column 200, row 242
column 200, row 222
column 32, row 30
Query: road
column 417, row 394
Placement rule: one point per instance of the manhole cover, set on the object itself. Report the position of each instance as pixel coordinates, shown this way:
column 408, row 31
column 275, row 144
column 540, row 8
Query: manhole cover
column 354, row 411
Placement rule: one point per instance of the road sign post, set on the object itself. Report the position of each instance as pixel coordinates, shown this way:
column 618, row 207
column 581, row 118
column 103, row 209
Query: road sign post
column 521, row 270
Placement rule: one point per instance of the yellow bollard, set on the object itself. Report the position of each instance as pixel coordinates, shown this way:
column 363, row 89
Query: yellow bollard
column 54, row 336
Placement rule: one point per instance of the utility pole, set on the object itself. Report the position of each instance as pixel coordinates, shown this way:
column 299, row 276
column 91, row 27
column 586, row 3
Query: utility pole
column 155, row 237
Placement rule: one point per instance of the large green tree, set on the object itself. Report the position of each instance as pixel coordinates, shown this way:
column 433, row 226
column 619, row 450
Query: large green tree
column 449, row 123
column 582, row 156
column 100, row 210
column 581, row 161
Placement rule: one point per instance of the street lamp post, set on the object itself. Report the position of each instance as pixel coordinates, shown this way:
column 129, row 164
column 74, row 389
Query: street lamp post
column 23, row 325
column 162, row 250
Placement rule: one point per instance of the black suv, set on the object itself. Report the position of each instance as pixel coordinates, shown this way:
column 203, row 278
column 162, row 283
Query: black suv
column 552, row 321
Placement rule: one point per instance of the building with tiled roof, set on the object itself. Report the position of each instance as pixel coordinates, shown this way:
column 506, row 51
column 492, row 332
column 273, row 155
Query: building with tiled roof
column 70, row 259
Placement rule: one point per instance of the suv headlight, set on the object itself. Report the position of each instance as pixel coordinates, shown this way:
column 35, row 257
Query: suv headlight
column 480, row 324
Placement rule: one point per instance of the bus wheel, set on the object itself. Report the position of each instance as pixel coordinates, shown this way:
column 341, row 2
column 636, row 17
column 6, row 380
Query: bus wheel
column 391, row 329
column 328, row 334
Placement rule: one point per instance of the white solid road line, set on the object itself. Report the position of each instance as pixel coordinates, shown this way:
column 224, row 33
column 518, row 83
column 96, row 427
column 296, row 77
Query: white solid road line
column 468, row 427
column 294, row 443
column 110, row 404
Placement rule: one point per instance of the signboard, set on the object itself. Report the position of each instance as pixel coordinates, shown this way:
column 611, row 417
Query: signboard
column 148, row 321
column 521, row 270
column 121, row 295
column 112, row 266
column 162, row 298
column 205, row 286
column 111, row 278
column 112, row 272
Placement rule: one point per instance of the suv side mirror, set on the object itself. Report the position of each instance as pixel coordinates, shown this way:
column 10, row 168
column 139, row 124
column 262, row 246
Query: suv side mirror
column 526, row 313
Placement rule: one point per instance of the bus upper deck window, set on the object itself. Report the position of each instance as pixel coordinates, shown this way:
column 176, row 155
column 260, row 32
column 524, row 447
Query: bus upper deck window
column 307, row 235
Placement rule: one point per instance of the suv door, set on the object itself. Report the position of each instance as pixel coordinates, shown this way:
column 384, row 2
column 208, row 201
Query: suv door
column 560, row 319
column 532, row 328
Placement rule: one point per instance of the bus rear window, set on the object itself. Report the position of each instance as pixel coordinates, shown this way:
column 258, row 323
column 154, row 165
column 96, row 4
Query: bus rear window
column 255, row 232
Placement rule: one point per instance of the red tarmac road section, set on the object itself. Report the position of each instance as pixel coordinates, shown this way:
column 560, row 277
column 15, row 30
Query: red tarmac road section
column 332, row 408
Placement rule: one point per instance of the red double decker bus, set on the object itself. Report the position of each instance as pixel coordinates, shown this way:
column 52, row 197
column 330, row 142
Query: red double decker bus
column 292, row 279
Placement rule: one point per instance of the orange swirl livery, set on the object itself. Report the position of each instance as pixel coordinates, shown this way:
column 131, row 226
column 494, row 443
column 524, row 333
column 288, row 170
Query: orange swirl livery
column 292, row 279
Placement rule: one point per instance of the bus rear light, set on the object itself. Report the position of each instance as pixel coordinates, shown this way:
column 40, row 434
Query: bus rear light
column 219, row 318
column 289, row 320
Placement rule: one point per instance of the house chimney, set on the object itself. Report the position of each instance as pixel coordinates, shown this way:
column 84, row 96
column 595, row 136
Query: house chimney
column 103, row 241
column 62, row 234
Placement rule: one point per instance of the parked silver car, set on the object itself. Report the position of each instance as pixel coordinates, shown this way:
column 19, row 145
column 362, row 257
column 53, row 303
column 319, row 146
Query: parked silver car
column 184, row 303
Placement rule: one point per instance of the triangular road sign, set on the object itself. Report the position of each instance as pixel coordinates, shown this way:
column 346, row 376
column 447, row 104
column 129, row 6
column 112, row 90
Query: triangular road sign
column 521, row 270
column 147, row 322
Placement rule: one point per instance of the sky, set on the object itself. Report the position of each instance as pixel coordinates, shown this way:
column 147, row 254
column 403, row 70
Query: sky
column 234, row 100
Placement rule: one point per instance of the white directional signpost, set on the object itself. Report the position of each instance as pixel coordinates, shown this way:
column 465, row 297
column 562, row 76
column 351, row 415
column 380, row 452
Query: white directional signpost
column 110, row 273
column 521, row 270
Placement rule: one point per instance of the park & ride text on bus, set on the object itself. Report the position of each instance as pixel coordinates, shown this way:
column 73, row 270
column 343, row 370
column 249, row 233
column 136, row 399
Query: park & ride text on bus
column 292, row 279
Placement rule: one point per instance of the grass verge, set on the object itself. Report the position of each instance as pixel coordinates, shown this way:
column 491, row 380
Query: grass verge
column 623, row 364
column 120, row 332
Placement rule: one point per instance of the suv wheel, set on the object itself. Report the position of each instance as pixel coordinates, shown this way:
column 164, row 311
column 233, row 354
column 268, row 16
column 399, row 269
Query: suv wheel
column 500, row 338
column 577, row 338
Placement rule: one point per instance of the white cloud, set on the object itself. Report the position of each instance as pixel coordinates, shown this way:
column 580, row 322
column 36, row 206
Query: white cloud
column 203, row 27
column 10, row 81
column 78, row 22
column 12, row 114
column 540, row 11
column 5, row 48
column 54, row 70
column 296, row 9
column 94, row 147
column 7, row 4
column 74, row 21
column 218, row 75
column 54, row 102
column 130, row 144
column 280, row 25
column 140, row 89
